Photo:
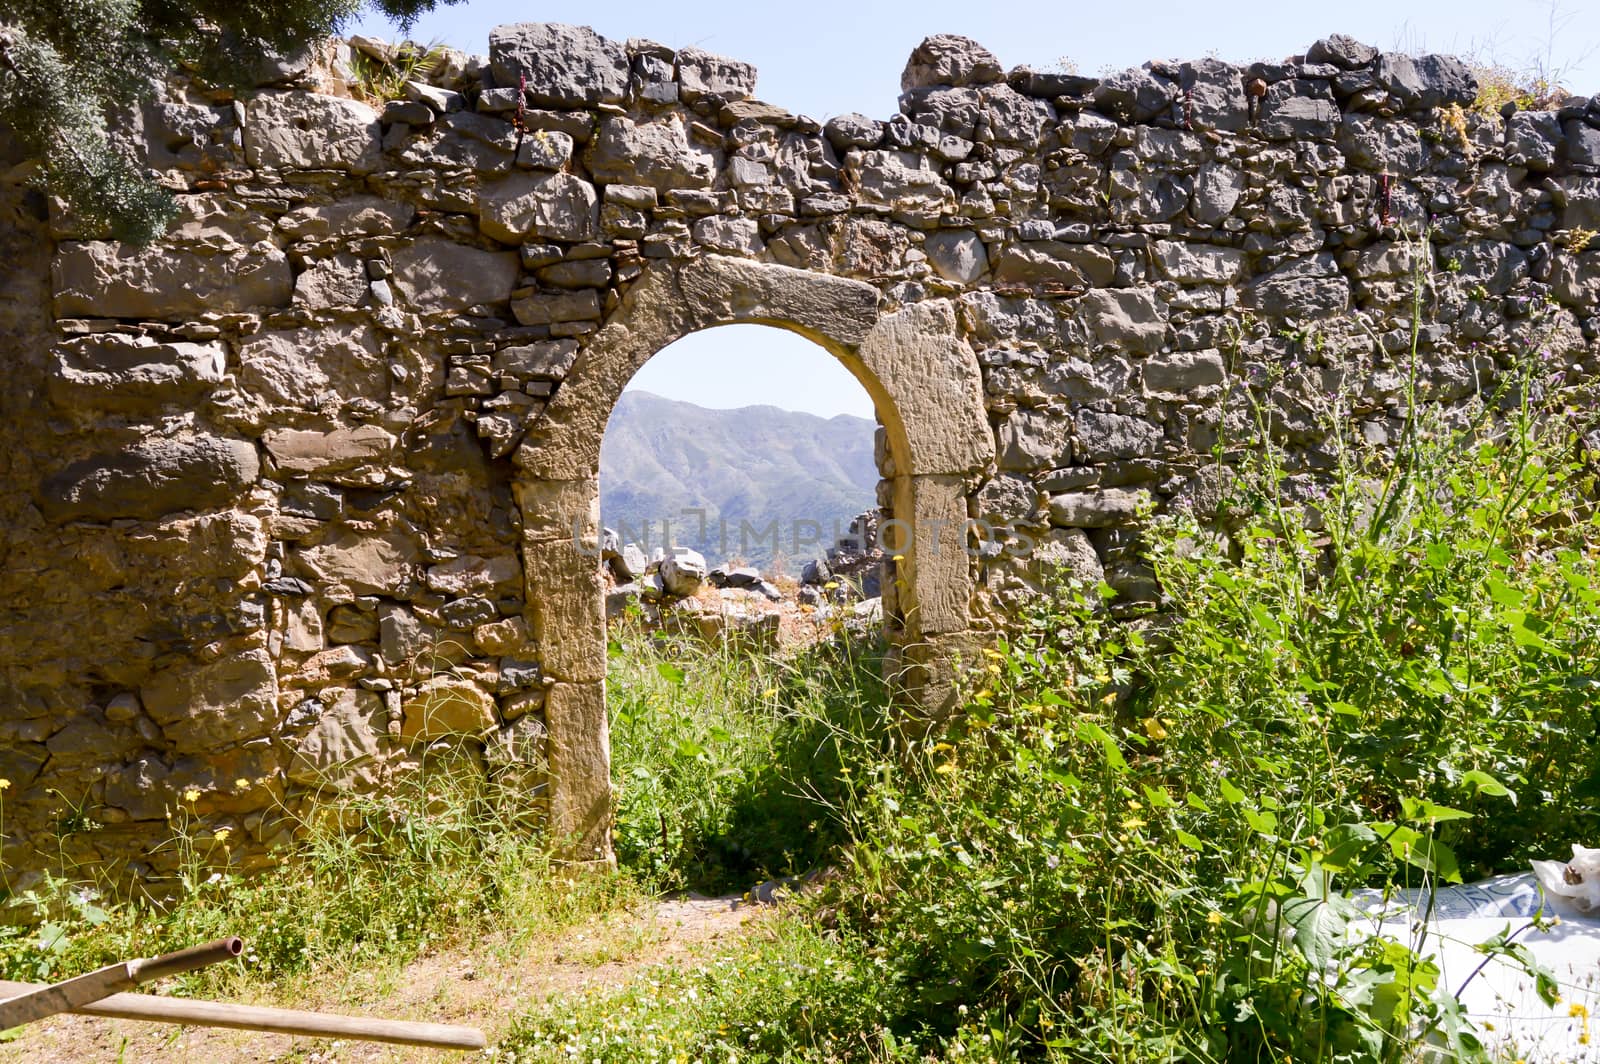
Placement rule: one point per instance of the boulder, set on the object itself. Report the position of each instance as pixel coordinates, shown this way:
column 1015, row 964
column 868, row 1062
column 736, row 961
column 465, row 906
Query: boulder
column 703, row 74
column 722, row 576
column 564, row 66
column 949, row 59
column 682, row 572
column 151, row 478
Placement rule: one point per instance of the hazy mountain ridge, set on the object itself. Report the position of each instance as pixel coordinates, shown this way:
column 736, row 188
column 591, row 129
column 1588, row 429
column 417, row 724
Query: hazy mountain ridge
column 756, row 464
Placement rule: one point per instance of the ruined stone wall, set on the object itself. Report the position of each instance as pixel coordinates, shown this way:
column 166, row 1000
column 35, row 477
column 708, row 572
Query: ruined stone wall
column 289, row 493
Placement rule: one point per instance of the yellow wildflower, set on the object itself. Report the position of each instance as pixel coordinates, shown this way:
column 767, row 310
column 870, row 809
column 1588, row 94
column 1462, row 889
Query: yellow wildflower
column 241, row 784
column 1213, row 918
column 192, row 794
column 946, row 768
column 1155, row 727
column 5, row 785
column 223, row 833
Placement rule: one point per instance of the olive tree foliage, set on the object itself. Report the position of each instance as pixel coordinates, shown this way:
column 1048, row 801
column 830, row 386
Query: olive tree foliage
column 65, row 65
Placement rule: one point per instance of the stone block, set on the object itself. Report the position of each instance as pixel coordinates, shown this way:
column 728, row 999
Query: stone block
column 101, row 279
column 654, row 152
column 150, row 478
column 547, row 308
column 363, row 563
column 949, row 59
column 1031, row 439
column 118, row 372
column 310, row 131
column 1103, row 436
column 563, row 66
column 444, row 706
column 579, row 746
column 1176, row 372
column 702, row 74
column 300, row 368
column 1129, row 319
column 343, row 750
column 1097, row 509
column 435, row 274
column 957, row 255
column 309, row 452
column 200, row 707
column 554, row 205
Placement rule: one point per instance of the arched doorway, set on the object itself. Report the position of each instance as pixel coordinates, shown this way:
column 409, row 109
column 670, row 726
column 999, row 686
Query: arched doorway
column 925, row 383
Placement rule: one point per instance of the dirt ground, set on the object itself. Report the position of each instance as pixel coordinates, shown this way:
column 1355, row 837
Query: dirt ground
column 484, row 984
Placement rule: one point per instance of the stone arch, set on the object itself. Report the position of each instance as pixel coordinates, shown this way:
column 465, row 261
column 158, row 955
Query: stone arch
column 926, row 383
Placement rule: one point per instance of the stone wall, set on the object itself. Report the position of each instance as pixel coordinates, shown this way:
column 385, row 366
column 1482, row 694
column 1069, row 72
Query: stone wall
column 306, row 490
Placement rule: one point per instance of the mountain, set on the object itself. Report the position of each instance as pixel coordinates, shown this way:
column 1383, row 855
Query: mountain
column 755, row 464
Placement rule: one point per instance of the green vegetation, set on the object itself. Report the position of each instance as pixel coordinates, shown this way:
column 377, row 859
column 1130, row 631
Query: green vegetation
column 1136, row 843
column 377, row 879
column 732, row 765
column 67, row 65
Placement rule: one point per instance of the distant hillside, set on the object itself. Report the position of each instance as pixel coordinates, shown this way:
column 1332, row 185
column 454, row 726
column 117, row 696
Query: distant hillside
column 755, row 464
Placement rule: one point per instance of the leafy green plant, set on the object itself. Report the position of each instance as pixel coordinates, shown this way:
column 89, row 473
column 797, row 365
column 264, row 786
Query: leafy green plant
column 379, row 81
column 728, row 763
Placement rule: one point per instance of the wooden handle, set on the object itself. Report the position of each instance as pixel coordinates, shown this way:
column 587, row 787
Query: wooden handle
column 187, row 960
column 275, row 1021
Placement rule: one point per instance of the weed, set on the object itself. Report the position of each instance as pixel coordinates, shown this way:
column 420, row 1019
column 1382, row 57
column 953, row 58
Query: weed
column 378, row 81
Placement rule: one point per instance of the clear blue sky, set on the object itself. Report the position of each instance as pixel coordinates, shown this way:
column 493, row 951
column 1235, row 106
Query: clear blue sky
column 828, row 57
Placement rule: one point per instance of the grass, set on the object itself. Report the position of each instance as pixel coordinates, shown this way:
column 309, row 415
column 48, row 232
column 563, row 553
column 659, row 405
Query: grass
column 1136, row 843
column 373, row 880
column 734, row 767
